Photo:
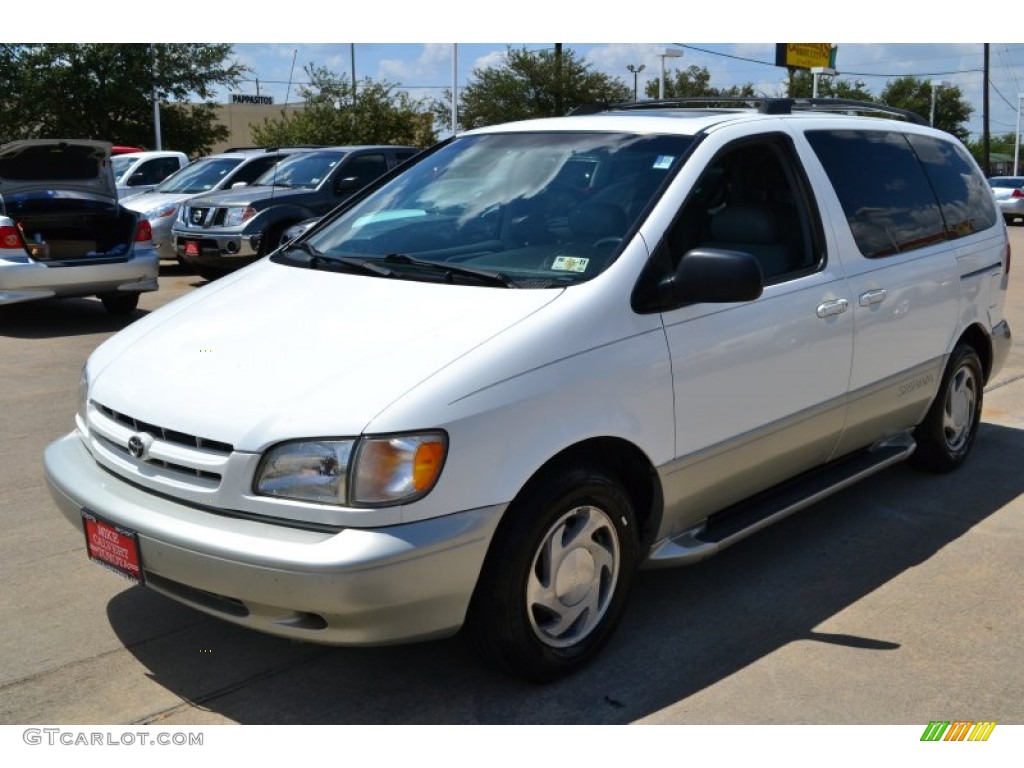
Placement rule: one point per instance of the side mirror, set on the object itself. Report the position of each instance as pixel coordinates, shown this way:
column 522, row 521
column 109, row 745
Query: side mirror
column 347, row 185
column 703, row 275
column 716, row 276
column 239, row 184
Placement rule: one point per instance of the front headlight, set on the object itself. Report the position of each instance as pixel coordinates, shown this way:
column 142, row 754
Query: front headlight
column 235, row 216
column 162, row 212
column 368, row 472
column 315, row 470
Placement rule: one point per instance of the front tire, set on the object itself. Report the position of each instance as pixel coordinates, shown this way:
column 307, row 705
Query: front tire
column 946, row 436
column 555, row 582
column 120, row 303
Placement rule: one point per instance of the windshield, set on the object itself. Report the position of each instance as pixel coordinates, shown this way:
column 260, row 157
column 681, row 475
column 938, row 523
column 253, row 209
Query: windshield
column 200, row 176
column 306, row 170
column 540, row 208
column 121, row 164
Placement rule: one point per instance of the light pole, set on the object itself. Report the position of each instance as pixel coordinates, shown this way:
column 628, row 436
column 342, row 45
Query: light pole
column 156, row 100
column 817, row 72
column 1016, row 145
column 636, row 71
column 937, row 85
column 670, row 53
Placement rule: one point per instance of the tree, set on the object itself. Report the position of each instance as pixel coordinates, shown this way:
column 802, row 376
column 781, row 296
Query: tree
column 801, row 86
column 378, row 114
column 694, row 81
column 529, row 84
column 952, row 111
column 104, row 91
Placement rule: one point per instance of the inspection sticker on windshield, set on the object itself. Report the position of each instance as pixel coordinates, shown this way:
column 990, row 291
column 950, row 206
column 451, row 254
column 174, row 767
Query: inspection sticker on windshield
column 113, row 546
column 663, row 162
column 570, row 264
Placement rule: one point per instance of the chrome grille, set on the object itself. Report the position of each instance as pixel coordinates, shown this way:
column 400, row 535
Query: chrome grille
column 168, row 435
column 170, row 456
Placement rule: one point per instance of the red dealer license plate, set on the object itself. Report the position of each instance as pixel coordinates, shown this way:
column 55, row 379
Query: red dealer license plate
column 191, row 247
column 112, row 546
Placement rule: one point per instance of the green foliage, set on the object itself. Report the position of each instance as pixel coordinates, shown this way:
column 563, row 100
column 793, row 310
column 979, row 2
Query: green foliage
column 530, row 84
column 104, row 91
column 952, row 111
column 801, row 86
column 379, row 114
column 693, row 81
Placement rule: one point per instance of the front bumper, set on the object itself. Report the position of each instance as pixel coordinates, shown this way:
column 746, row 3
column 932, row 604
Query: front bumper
column 223, row 250
column 350, row 587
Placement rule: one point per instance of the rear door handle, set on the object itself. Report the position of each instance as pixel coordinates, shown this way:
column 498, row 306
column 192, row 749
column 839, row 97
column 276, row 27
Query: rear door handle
column 833, row 307
column 872, row 297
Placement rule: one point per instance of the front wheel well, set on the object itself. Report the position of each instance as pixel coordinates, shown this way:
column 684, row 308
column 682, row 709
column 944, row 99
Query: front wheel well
column 627, row 463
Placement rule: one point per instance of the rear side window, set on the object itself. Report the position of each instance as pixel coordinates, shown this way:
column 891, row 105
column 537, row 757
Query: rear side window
column 885, row 193
column 964, row 197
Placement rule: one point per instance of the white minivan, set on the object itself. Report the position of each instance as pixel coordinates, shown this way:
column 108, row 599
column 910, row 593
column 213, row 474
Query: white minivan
column 541, row 355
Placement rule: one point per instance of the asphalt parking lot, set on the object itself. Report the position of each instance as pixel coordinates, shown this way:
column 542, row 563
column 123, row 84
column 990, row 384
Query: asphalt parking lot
column 895, row 602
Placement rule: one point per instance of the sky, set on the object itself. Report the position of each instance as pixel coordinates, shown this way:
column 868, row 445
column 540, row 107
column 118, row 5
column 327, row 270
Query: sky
column 411, row 44
column 426, row 69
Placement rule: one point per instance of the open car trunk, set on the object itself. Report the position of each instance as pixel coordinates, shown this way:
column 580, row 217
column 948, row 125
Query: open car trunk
column 61, row 195
column 62, row 226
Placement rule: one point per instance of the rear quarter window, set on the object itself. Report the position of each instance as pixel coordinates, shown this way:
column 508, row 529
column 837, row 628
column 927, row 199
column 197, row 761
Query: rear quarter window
column 964, row 197
column 883, row 189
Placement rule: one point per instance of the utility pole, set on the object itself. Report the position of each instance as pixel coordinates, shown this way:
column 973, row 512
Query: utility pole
column 987, row 167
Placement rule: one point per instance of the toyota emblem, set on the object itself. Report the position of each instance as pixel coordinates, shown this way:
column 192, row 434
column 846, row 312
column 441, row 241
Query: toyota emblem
column 136, row 447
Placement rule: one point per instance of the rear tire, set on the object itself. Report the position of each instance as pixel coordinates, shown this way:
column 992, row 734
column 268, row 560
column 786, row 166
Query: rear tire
column 946, row 436
column 120, row 303
column 555, row 582
column 208, row 273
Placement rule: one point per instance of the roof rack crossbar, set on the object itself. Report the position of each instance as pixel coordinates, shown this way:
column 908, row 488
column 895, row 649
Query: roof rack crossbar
column 764, row 104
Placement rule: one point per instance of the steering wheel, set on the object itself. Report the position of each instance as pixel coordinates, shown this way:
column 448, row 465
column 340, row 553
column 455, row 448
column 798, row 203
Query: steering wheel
column 607, row 242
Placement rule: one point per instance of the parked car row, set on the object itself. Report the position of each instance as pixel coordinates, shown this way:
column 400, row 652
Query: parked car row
column 84, row 218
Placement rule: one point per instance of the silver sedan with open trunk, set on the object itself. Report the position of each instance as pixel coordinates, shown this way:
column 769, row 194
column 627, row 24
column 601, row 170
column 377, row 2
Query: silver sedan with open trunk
column 62, row 231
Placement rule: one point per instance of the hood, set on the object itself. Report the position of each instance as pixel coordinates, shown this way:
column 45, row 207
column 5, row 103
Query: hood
column 148, row 201
column 279, row 352
column 252, row 196
column 72, row 165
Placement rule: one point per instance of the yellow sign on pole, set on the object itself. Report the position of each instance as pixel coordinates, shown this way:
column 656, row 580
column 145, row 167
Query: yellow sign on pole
column 805, row 55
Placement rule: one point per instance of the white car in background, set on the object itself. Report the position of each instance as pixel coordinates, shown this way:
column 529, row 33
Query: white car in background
column 136, row 172
column 62, row 231
column 208, row 174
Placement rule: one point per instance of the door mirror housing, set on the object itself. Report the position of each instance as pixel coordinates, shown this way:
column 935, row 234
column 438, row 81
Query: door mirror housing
column 703, row 275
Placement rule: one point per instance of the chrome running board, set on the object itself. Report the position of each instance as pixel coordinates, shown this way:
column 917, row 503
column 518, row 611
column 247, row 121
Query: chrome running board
column 747, row 517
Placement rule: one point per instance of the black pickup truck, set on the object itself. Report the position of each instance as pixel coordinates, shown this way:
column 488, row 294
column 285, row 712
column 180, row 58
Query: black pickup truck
column 217, row 233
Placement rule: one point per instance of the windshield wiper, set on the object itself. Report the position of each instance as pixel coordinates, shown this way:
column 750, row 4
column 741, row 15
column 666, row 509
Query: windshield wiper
column 494, row 278
column 317, row 259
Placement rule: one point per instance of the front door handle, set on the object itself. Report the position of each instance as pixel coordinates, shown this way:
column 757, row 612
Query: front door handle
column 833, row 307
column 872, row 297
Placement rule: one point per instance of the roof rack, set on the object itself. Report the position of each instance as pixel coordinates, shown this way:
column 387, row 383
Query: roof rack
column 764, row 104
column 273, row 149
